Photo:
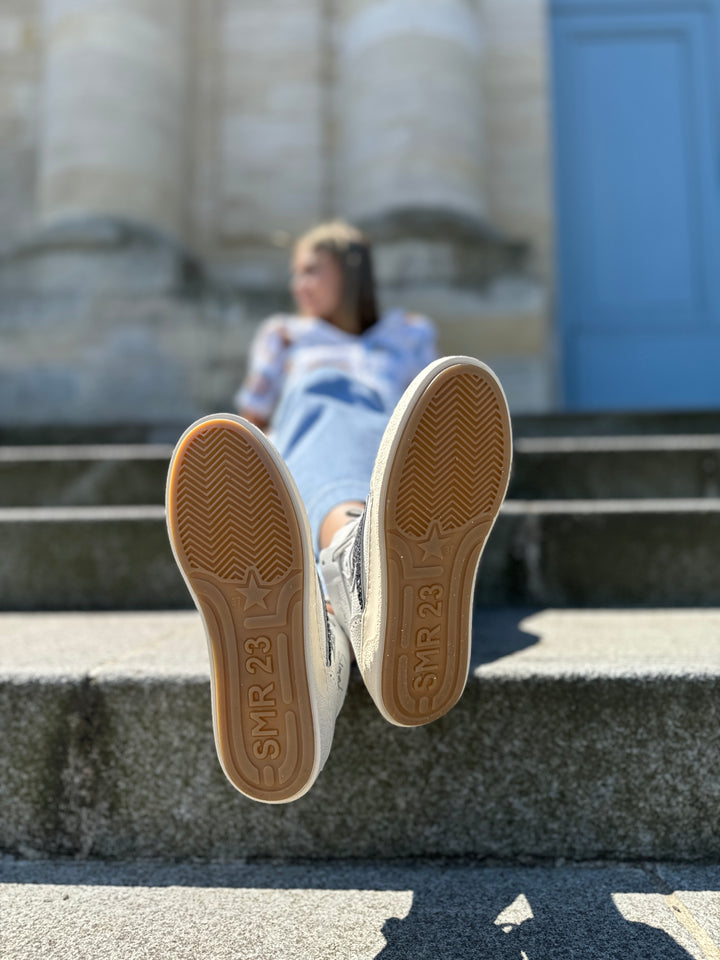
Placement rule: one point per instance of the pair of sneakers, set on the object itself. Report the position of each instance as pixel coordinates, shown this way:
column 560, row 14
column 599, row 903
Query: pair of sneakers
column 399, row 577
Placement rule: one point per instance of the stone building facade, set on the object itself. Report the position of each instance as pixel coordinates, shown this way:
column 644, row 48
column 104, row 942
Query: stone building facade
column 158, row 157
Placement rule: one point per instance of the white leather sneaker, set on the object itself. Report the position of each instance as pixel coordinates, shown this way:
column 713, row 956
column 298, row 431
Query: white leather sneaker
column 279, row 664
column 401, row 577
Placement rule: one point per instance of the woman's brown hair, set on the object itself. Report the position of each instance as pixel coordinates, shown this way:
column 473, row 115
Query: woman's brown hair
column 350, row 249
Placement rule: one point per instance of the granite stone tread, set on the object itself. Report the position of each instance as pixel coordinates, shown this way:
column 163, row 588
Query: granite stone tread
column 510, row 507
column 576, row 553
column 357, row 910
column 13, row 453
column 96, row 451
column 614, row 444
column 507, row 641
column 581, row 733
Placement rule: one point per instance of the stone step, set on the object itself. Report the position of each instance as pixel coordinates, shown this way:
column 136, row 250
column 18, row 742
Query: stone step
column 325, row 910
column 556, row 424
column 616, row 423
column 83, row 475
column 557, row 468
column 581, row 734
column 560, row 553
column 544, row 468
column 89, row 434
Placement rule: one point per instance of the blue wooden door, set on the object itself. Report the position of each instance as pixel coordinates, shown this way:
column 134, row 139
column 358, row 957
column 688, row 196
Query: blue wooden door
column 637, row 185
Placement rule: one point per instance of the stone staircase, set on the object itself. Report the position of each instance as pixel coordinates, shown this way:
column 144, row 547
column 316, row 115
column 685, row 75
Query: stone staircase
column 588, row 728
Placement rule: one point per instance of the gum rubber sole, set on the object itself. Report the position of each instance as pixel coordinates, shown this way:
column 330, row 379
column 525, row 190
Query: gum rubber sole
column 236, row 536
column 445, row 485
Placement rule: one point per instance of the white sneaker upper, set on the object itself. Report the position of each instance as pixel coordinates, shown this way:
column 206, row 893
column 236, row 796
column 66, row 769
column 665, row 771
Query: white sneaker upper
column 331, row 682
column 342, row 570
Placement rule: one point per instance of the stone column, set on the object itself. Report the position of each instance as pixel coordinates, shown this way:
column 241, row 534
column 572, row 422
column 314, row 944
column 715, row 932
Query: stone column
column 271, row 167
column 113, row 132
column 410, row 108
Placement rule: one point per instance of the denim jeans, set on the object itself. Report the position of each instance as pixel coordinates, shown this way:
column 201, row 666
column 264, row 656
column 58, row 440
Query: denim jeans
column 328, row 426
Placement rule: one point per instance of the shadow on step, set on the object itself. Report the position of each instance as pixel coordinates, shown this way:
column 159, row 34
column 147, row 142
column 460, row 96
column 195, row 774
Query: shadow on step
column 537, row 915
column 455, row 910
column 500, row 635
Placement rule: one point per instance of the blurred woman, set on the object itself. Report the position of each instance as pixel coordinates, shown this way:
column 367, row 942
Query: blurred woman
column 326, row 380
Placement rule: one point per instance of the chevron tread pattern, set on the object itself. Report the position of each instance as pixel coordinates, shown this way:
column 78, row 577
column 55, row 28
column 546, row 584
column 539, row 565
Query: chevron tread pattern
column 238, row 540
column 229, row 518
column 454, row 466
column 446, row 483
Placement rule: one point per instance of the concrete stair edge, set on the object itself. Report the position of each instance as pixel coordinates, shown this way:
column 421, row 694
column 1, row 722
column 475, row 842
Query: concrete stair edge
column 358, row 910
column 545, row 468
column 581, row 734
column 557, row 553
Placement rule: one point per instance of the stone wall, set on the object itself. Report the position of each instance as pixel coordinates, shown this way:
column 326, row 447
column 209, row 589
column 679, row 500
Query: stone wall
column 158, row 157
column 20, row 91
column 516, row 82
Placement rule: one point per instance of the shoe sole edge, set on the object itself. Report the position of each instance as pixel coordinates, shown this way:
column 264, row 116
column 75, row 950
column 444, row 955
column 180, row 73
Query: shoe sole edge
column 264, row 700
column 421, row 575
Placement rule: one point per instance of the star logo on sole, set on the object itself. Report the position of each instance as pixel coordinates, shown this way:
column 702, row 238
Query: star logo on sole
column 253, row 594
column 434, row 544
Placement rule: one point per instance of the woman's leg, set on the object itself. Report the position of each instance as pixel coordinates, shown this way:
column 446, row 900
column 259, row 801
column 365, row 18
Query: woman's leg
column 328, row 428
column 340, row 515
